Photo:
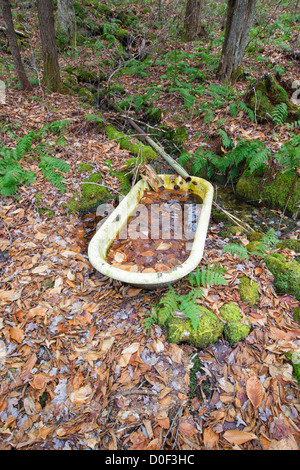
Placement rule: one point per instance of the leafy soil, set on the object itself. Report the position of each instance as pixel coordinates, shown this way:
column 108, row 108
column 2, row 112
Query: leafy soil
column 77, row 368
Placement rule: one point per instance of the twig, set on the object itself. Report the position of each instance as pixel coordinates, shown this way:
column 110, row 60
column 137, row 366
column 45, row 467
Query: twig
column 172, row 424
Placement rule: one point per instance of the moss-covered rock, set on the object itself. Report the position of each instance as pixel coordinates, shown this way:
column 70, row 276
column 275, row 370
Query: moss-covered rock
column 91, row 196
column 145, row 152
column 289, row 243
column 268, row 94
column 248, row 290
column 286, row 274
column 86, row 95
column 253, row 246
column 275, row 194
column 237, row 327
column 255, row 236
column 210, row 328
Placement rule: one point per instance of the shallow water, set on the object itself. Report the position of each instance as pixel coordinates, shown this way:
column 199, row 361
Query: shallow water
column 259, row 218
column 159, row 235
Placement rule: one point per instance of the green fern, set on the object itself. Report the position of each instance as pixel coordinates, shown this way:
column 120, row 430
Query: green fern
column 48, row 165
column 207, row 277
column 226, row 141
column 243, row 107
column 237, row 250
column 280, row 113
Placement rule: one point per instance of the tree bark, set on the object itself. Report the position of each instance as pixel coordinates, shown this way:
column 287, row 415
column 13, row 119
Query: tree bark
column 239, row 19
column 192, row 22
column 66, row 21
column 13, row 44
column 51, row 73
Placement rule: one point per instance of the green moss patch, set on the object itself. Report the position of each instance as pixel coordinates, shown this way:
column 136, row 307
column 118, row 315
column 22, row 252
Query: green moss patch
column 209, row 330
column 144, row 152
column 286, row 274
column 237, row 327
column 268, row 94
column 248, row 290
column 274, row 194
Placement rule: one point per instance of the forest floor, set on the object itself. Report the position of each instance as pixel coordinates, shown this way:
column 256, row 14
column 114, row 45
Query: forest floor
column 77, row 368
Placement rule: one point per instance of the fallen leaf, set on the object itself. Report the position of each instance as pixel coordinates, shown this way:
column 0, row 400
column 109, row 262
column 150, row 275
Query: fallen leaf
column 235, row 436
column 16, row 333
column 255, row 391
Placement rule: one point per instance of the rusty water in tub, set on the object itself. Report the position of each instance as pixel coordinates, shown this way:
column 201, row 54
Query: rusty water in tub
column 159, row 234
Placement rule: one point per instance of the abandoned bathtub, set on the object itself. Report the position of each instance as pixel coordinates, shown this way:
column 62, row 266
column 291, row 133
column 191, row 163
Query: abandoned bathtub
column 108, row 231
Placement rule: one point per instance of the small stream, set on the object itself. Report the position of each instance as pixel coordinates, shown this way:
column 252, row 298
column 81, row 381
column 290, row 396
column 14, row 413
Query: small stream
column 259, row 218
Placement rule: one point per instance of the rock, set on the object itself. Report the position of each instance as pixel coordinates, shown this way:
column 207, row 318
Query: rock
column 249, row 291
column 289, row 243
column 254, row 236
column 274, row 194
column 236, row 327
column 209, row 330
column 286, row 274
column 268, row 94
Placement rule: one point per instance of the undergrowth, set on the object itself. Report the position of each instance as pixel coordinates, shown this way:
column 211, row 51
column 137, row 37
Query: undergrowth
column 13, row 175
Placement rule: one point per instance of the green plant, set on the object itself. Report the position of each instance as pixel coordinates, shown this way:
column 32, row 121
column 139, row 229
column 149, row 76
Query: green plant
column 239, row 251
column 262, row 246
column 207, row 277
column 12, row 174
column 280, row 113
column 48, row 165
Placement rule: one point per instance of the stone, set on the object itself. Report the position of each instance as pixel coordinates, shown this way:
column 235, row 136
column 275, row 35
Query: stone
column 248, row 290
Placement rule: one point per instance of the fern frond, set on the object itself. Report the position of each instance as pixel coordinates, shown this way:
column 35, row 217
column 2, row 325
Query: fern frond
column 207, row 277
column 48, row 165
column 279, row 114
column 236, row 250
column 259, row 159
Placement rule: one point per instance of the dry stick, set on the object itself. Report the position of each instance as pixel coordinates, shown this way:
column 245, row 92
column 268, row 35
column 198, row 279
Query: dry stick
column 178, row 168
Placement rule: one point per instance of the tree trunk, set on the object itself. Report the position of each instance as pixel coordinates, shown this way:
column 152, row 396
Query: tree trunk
column 13, row 44
column 51, row 74
column 66, row 21
column 240, row 14
column 192, row 22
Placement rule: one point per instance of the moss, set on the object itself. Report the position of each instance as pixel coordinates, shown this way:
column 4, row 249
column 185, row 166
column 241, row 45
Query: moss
column 234, row 229
column 249, row 291
column 94, row 178
column 125, row 180
column 296, row 314
column 209, row 330
column 91, row 196
column 86, row 95
column 135, row 147
column 85, row 167
column 286, row 274
column 268, row 94
column 253, row 246
column 123, row 36
column 274, row 194
column 236, row 327
column 255, row 236
column 289, row 243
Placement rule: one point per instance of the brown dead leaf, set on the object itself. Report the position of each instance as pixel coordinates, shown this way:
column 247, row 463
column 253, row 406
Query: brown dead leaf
column 38, row 381
column 210, row 438
column 16, row 333
column 187, row 429
column 255, row 391
column 234, row 436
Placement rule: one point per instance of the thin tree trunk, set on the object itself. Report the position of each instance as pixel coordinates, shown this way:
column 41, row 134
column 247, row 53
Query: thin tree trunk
column 51, row 74
column 66, row 21
column 13, row 44
column 239, row 19
column 192, row 20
